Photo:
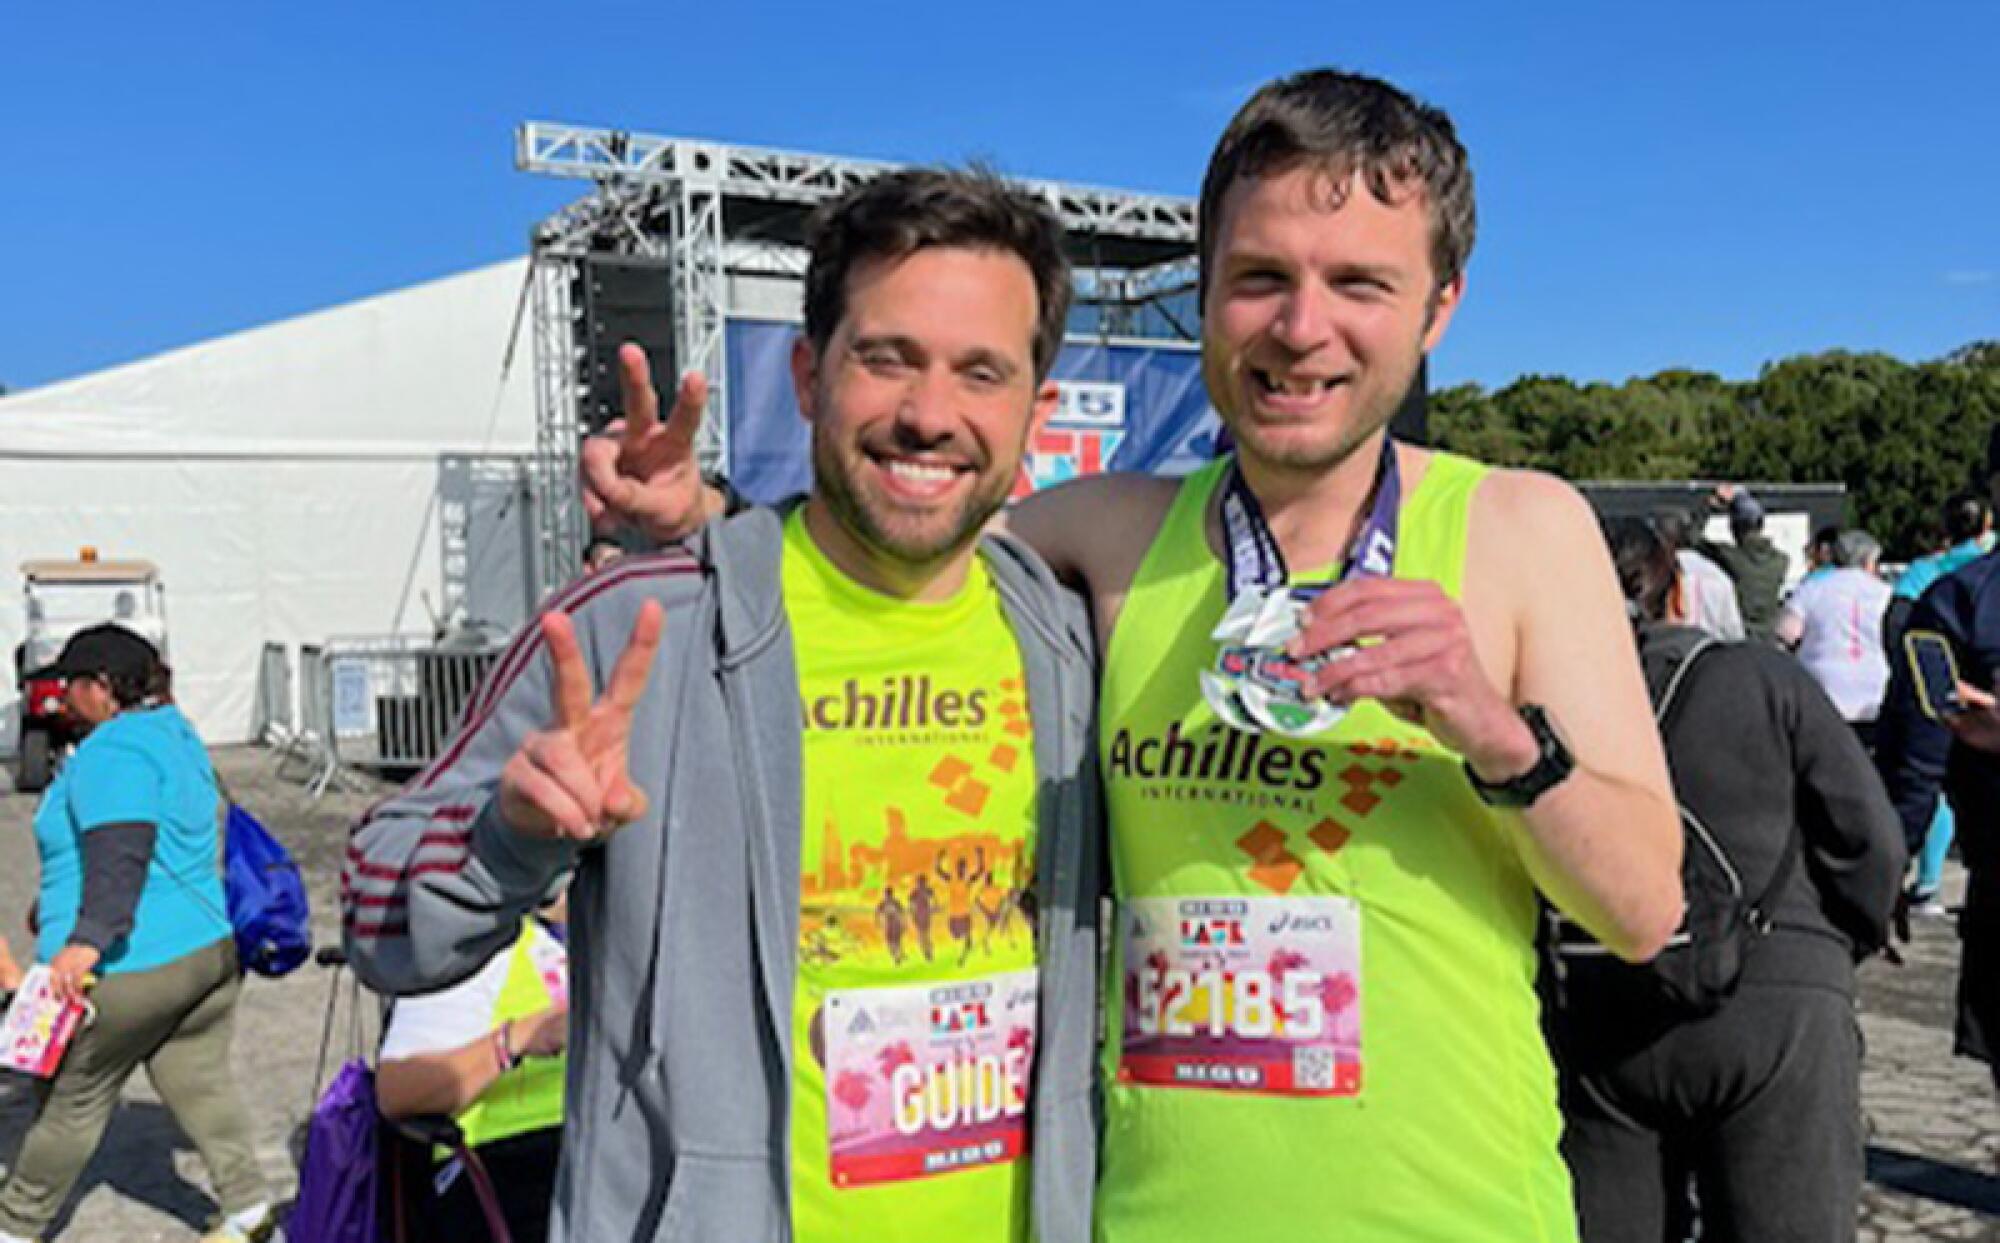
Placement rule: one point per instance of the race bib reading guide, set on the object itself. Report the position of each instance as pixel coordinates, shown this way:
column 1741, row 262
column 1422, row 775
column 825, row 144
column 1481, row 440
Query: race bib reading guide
column 928, row 1078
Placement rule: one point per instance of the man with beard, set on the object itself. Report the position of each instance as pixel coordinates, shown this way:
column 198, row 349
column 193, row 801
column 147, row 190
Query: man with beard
column 1361, row 703
column 844, row 695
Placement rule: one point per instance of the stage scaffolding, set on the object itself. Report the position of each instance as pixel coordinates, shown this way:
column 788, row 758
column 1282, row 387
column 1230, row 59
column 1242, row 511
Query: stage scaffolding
column 716, row 212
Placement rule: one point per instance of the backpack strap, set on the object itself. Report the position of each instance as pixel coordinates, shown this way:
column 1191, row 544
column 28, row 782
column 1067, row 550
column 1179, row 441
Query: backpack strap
column 1787, row 858
column 1670, row 695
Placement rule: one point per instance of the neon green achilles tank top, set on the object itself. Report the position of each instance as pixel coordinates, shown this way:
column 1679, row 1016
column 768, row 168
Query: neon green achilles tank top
column 914, row 1017
column 1321, row 1008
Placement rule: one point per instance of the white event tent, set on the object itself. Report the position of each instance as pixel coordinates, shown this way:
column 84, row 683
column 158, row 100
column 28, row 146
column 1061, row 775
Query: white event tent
column 284, row 479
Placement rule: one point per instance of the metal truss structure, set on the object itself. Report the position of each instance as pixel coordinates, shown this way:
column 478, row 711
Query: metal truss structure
column 717, row 211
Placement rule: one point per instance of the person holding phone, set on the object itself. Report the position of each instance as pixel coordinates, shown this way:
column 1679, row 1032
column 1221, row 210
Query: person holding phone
column 1924, row 748
column 1968, row 528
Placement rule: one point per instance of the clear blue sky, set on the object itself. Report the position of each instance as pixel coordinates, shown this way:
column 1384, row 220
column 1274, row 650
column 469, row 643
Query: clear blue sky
column 1702, row 185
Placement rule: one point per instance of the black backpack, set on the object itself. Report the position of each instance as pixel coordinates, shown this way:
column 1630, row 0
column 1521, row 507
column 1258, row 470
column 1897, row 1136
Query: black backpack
column 1702, row 962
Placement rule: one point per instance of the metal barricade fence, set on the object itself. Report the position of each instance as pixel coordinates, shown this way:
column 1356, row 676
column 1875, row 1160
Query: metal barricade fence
column 314, row 741
column 392, row 701
column 275, row 725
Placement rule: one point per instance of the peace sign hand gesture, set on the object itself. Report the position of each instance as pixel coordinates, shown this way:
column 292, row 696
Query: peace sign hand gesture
column 643, row 471
column 573, row 781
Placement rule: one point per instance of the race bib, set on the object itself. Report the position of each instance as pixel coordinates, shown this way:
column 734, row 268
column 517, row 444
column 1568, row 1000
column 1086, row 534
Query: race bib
column 929, row 1078
column 1257, row 994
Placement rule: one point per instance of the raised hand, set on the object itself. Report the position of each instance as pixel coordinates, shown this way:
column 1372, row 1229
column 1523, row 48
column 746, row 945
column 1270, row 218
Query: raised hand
column 643, row 472
column 574, row 781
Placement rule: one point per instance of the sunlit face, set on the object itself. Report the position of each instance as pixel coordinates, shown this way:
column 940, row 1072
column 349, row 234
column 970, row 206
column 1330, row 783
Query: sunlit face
column 923, row 401
column 87, row 700
column 1317, row 314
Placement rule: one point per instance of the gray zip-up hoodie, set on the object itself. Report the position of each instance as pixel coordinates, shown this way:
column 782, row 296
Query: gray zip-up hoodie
column 684, row 926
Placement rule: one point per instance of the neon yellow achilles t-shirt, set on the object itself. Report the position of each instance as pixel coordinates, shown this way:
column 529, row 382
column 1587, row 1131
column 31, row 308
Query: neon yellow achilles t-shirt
column 914, row 1015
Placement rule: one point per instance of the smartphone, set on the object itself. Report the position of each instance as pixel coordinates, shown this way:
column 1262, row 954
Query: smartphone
column 1936, row 673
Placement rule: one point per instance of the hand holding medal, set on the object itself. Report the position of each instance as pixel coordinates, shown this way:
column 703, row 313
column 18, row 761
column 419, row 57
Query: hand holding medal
column 1419, row 661
column 1293, row 658
column 1261, row 679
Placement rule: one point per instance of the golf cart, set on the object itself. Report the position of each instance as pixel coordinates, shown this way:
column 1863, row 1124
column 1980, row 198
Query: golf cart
column 63, row 597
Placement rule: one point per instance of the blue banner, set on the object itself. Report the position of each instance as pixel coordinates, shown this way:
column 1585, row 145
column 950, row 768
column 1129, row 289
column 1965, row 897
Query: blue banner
column 1125, row 407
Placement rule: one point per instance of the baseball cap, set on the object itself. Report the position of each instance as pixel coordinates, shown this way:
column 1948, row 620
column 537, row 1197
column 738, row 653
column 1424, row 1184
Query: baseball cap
column 1744, row 509
column 106, row 649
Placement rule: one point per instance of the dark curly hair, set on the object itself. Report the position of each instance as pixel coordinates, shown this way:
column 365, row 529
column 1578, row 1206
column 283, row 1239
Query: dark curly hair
column 899, row 213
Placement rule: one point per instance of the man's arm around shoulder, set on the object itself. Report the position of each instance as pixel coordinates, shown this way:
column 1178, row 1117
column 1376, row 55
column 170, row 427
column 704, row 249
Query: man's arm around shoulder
column 1094, row 532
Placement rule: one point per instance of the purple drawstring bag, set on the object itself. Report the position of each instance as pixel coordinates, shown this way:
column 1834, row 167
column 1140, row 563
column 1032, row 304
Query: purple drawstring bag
column 336, row 1202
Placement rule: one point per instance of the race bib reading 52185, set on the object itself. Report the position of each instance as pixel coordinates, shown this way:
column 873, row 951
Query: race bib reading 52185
column 1255, row 994
column 928, row 1078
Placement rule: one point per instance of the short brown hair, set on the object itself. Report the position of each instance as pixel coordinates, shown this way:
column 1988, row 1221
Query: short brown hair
column 899, row 213
column 1345, row 123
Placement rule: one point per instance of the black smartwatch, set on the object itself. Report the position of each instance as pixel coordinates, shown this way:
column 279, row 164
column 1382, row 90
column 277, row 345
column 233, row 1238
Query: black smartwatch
column 1552, row 765
column 733, row 502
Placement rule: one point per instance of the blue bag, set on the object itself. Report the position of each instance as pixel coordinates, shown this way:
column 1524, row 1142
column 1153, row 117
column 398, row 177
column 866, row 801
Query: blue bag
column 267, row 898
column 336, row 1201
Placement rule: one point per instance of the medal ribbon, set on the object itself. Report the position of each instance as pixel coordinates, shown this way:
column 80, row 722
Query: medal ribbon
column 1256, row 561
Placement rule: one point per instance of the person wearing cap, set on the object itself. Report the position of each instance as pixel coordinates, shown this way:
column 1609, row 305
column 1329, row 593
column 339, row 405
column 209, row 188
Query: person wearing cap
column 1752, row 562
column 1957, row 754
column 133, row 915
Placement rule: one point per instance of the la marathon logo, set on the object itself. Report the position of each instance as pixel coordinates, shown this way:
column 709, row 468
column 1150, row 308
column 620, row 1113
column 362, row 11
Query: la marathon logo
column 1208, row 923
column 1211, row 933
column 965, row 1011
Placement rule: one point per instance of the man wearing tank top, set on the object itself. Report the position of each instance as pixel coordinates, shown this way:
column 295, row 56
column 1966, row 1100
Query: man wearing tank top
column 1321, row 1013
column 1322, row 995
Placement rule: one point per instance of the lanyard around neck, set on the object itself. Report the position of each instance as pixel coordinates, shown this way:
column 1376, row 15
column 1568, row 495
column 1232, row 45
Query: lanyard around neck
column 1256, row 561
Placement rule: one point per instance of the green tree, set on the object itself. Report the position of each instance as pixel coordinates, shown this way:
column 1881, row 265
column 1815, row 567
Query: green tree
column 1901, row 437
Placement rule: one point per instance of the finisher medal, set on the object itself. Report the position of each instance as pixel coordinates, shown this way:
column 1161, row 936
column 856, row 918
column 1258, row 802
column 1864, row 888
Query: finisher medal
column 1254, row 686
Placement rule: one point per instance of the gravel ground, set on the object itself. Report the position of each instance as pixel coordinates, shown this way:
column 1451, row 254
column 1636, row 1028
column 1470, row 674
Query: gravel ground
column 1933, row 1121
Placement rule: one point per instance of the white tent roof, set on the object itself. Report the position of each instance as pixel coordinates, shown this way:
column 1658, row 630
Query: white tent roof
column 414, row 371
column 284, row 479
